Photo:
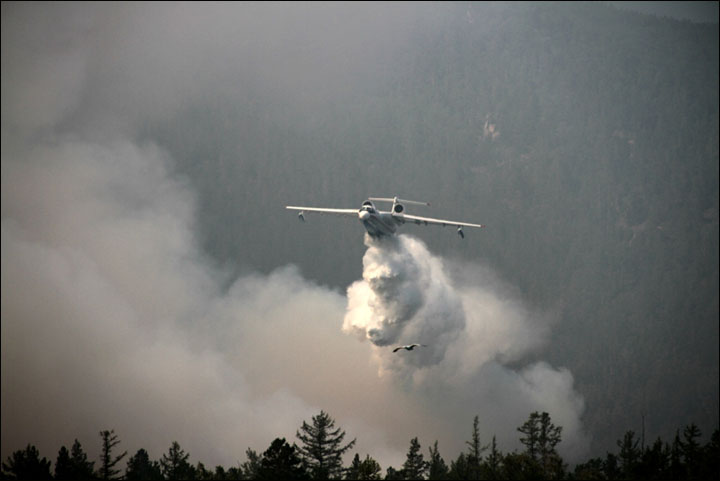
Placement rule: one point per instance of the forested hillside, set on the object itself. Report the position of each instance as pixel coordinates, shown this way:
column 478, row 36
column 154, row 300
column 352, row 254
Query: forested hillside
column 585, row 137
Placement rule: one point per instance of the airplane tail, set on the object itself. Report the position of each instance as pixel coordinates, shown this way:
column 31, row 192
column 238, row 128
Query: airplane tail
column 397, row 204
column 396, row 200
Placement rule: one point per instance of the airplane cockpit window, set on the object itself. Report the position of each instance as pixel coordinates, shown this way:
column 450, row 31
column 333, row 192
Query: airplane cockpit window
column 367, row 206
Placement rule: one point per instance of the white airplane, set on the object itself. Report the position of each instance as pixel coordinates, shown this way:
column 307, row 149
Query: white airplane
column 384, row 223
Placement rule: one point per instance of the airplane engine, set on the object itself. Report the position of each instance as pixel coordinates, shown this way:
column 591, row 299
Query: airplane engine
column 398, row 208
column 460, row 232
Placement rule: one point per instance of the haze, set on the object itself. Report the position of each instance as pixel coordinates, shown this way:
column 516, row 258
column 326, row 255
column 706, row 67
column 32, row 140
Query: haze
column 154, row 284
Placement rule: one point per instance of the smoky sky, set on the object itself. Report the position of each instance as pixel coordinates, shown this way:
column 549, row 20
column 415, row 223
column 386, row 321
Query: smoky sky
column 113, row 317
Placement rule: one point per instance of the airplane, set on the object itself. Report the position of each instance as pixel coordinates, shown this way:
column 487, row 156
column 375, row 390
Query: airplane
column 380, row 223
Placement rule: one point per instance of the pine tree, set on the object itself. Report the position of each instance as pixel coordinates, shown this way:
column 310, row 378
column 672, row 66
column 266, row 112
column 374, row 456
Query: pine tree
column 140, row 467
column 494, row 459
column 107, row 468
column 175, row 464
column 591, row 469
column 82, row 468
column 202, row 473
column 251, row 468
column 74, row 464
column 459, row 468
column 437, row 469
column 474, row 456
column 531, row 430
column 366, row 469
column 549, row 437
column 654, row 461
column 63, row 469
column 690, row 449
column 234, row 474
column 520, row 466
column 611, row 468
column 393, row 474
column 677, row 469
column 541, row 437
column 369, row 469
column 629, row 454
column 220, row 473
column 281, row 461
column 415, row 466
column 322, row 447
column 353, row 471
column 26, row 464
column 711, row 457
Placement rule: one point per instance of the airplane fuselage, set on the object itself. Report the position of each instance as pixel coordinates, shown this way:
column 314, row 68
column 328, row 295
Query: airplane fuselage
column 377, row 223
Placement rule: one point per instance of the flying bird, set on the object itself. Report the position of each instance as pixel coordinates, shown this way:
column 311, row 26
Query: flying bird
column 409, row 347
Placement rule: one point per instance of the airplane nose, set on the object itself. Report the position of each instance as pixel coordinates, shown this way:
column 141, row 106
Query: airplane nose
column 363, row 215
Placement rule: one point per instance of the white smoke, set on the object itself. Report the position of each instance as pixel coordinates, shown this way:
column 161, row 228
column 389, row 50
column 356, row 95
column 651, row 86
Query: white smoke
column 114, row 318
column 472, row 331
column 404, row 297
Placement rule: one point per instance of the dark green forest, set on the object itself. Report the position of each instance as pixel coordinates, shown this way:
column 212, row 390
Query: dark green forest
column 322, row 445
column 585, row 137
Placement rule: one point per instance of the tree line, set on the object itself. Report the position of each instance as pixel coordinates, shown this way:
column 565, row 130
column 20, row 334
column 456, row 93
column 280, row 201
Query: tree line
column 322, row 446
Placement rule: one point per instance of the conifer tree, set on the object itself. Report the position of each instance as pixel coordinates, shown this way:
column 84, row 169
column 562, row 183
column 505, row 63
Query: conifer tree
column 415, row 466
column 175, row 464
column 549, row 437
column 322, row 447
column 107, row 461
column 26, row 464
column 690, row 449
column 541, row 437
column 82, row 468
column 531, row 430
column 677, row 468
column 140, row 467
column 354, row 470
column 654, row 461
column 459, row 468
column 74, row 464
column 366, row 469
column 369, row 469
column 474, row 456
column 251, row 468
column 393, row 474
column 63, row 469
column 437, row 469
column 629, row 454
column 281, row 461
column 711, row 457
column 611, row 467
column 202, row 473
column 492, row 464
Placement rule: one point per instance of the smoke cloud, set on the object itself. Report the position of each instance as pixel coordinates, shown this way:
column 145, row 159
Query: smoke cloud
column 473, row 329
column 113, row 317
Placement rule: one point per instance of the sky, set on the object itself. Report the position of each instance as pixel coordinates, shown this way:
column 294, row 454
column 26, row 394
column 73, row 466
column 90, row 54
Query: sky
column 700, row 12
column 113, row 316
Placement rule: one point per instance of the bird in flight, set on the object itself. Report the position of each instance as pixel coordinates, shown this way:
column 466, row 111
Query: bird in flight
column 409, row 347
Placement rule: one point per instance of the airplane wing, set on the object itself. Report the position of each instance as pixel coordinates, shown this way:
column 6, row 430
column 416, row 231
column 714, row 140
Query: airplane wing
column 353, row 212
column 429, row 220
